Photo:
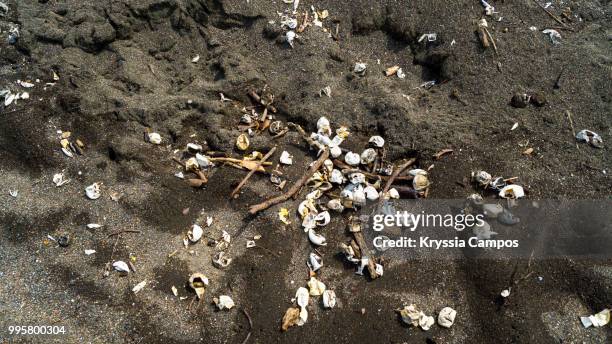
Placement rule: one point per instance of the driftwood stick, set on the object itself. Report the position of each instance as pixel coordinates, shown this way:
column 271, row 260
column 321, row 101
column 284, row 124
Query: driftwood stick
column 394, row 175
column 294, row 189
column 365, row 253
column 551, row 14
column 307, row 138
column 491, row 38
column 251, row 172
column 235, row 161
column 178, row 161
column 569, row 118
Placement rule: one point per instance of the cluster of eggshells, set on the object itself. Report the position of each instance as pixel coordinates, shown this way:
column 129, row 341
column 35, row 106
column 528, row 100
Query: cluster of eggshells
column 486, row 181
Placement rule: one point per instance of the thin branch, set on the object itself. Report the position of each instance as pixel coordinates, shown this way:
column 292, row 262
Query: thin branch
column 551, row 14
column 394, row 175
column 250, row 325
column 251, row 172
column 294, row 189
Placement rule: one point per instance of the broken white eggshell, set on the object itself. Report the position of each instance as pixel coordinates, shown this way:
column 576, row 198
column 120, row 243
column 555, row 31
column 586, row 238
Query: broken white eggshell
column 368, row 156
column 203, row 161
column 302, row 296
column 303, row 316
column 371, row 193
column 431, row 37
column 360, row 67
column 353, row 159
column 359, row 196
column 482, row 177
column 321, row 138
column 308, row 222
column 154, row 138
column 193, row 147
column 336, row 177
column 322, row 218
column 306, row 207
column 417, row 171
column 58, row 179
column 138, row 287
column 290, row 23
column 420, row 182
column 329, row 299
column 25, row 84
column 426, row 322
column 357, row 178
column 67, row 152
column 198, row 282
column 121, row 266
column 380, row 271
column 329, row 165
column 220, row 261
column 325, row 91
column 363, row 262
column 336, row 205
column 393, row 193
column 192, row 164
column 554, row 35
column 315, row 238
column 290, row 37
column 590, row 137
column 93, row 191
column 315, row 262
column 286, row 158
column 195, row 233
column 226, row 237
column 323, row 127
column 316, row 287
column 512, row 191
column 400, row 73
column 597, row 320
column 224, row 302
column 410, row 315
column 90, row 252
column 446, row 317
column 250, row 243
column 335, row 151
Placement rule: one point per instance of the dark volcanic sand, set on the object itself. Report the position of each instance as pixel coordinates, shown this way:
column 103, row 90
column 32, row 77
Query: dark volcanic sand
column 125, row 66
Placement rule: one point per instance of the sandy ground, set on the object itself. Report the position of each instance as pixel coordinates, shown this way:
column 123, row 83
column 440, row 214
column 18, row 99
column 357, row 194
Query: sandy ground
column 126, row 66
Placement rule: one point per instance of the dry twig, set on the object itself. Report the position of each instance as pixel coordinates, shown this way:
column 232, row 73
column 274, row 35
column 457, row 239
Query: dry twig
column 246, row 178
column 552, row 15
column 395, row 174
column 250, row 326
column 294, row 189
